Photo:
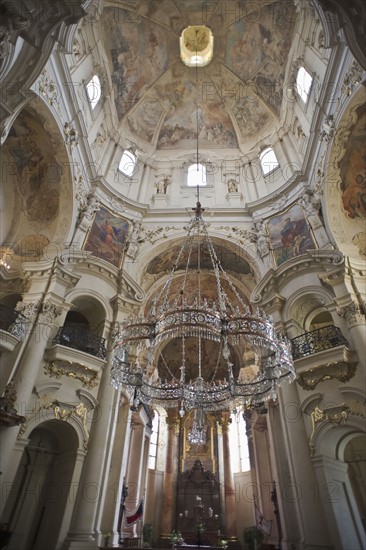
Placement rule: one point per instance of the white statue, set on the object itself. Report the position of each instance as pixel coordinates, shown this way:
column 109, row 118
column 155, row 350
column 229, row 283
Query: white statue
column 263, row 243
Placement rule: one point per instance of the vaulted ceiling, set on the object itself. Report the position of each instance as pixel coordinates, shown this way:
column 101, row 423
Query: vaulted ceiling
column 239, row 93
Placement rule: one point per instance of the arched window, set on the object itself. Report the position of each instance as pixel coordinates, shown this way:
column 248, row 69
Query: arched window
column 153, row 447
column 303, row 83
column 239, row 441
column 268, row 160
column 94, row 90
column 196, row 175
column 127, row 163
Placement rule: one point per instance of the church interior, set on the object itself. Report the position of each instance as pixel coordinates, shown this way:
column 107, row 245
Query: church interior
column 182, row 274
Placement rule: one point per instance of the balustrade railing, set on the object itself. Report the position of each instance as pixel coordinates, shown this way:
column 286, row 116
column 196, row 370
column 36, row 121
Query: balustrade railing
column 317, row 340
column 81, row 339
column 12, row 320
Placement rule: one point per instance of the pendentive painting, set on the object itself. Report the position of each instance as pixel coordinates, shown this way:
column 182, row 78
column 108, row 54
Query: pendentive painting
column 290, row 235
column 107, row 237
column 352, row 168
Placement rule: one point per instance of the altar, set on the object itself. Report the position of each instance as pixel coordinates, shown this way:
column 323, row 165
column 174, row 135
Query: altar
column 198, row 506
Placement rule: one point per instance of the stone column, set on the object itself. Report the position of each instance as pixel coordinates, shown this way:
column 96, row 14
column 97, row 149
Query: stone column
column 111, row 513
column 299, row 487
column 170, row 478
column 41, row 317
column 230, row 505
column 356, row 324
column 134, row 471
column 84, row 526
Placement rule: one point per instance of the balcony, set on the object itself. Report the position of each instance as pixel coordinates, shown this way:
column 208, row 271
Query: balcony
column 12, row 327
column 76, row 353
column 317, row 340
column 323, row 354
column 76, row 337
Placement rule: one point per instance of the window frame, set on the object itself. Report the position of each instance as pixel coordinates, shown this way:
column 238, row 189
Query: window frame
column 262, row 155
column 299, row 86
column 203, row 185
column 90, row 101
column 131, row 155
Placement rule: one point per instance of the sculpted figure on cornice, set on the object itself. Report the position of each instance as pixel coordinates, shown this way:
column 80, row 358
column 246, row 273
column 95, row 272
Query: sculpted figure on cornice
column 262, row 240
column 134, row 240
column 310, row 202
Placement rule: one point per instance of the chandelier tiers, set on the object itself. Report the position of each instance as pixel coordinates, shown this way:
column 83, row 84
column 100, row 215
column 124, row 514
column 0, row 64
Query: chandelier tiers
column 188, row 315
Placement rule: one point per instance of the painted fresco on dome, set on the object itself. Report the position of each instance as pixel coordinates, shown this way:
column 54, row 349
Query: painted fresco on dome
column 38, row 174
column 352, row 169
column 107, row 237
column 139, row 55
column 230, row 261
column 257, row 45
column 250, row 115
column 290, row 235
column 144, row 121
column 180, row 125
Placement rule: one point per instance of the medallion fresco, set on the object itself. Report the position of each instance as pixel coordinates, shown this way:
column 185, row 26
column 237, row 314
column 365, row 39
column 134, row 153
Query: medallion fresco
column 107, row 237
column 290, row 235
column 352, row 169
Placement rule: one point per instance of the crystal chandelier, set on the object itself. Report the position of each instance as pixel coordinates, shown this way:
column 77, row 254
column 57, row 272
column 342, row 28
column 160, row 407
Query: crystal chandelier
column 212, row 334
column 183, row 313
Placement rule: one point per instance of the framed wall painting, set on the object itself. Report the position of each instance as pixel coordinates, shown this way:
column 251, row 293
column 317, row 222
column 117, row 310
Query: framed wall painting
column 290, row 235
column 107, row 237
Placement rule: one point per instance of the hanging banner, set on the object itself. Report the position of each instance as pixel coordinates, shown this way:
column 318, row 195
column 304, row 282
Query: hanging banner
column 265, row 525
column 132, row 516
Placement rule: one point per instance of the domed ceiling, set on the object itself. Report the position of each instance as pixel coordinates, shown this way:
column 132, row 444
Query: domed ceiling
column 239, row 92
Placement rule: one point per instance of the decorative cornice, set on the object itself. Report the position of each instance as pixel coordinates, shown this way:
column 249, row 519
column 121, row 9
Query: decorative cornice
column 88, row 377
column 276, row 279
column 335, row 415
column 62, row 411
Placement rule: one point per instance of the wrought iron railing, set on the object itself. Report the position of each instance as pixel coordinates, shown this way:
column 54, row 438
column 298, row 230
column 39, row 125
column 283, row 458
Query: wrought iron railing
column 11, row 320
column 317, row 340
column 81, row 339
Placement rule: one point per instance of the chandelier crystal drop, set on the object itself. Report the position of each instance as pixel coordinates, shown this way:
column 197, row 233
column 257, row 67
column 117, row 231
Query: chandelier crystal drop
column 184, row 314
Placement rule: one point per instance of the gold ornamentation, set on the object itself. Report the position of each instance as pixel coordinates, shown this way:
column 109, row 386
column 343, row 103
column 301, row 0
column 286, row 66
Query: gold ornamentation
column 341, row 371
column 87, row 376
column 335, row 415
column 61, row 413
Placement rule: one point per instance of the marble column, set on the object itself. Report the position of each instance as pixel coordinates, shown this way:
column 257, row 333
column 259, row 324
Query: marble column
column 84, row 527
column 171, row 472
column 298, row 490
column 134, row 477
column 41, row 317
column 230, row 505
column 356, row 325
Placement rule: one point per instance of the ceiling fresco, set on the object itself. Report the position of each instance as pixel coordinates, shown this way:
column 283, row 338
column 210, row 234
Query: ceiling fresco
column 352, row 169
column 239, row 91
column 230, row 260
column 38, row 174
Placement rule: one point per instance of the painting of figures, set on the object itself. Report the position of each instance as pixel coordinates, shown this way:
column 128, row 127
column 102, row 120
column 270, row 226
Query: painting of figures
column 352, row 168
column 290, row 235
column 107, row 237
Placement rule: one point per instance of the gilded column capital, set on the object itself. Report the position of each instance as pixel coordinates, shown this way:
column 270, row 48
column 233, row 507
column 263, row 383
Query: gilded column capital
column 173, row 423
column 224, row 423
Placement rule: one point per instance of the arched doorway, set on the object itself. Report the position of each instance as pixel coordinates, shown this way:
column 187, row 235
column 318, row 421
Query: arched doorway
column 39, row 494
